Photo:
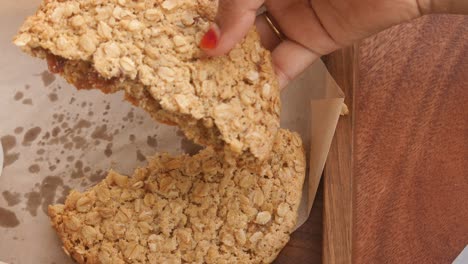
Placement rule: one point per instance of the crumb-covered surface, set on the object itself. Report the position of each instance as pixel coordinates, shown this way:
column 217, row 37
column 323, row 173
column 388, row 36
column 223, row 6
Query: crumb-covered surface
column 199, row 209
column 152, row 46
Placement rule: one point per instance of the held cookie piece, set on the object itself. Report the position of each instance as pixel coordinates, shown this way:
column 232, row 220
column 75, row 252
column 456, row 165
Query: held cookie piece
column 199, row 209
column 150, row 50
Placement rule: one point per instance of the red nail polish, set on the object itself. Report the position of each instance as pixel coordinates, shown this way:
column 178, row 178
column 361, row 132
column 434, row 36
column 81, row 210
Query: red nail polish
column 209, row 40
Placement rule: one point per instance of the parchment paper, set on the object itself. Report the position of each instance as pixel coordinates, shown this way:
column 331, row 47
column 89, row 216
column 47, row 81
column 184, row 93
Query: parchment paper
column 55, row 138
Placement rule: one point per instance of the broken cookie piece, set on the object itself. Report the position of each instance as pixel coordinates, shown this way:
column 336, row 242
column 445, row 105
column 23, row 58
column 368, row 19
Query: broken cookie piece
column 199, row 209
column 149, row 49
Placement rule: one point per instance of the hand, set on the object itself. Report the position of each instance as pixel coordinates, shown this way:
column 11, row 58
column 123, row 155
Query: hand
column 312, row 27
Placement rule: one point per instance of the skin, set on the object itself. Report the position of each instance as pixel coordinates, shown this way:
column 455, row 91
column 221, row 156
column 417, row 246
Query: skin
column 315, row 27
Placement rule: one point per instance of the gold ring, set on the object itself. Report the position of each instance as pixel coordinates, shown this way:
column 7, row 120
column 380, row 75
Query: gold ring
column 275, row 29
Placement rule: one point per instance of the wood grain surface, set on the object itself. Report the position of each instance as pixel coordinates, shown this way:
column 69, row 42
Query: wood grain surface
column 409, row 152
column 338, row 183
column 411, row 143
column 305, row 245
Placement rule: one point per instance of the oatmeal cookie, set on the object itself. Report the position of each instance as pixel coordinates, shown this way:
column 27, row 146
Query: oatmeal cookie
column 150, row 50
column 198, row 209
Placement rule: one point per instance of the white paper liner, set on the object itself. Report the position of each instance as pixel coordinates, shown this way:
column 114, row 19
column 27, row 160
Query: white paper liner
column 34, row 100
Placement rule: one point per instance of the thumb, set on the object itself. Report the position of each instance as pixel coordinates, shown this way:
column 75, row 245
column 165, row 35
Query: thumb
column 233, row 21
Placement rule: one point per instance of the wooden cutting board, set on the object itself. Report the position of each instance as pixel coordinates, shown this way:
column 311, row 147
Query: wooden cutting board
column 396, row 181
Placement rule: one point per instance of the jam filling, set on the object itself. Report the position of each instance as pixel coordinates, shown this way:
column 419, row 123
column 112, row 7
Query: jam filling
column 87, row 78
column 55, row 63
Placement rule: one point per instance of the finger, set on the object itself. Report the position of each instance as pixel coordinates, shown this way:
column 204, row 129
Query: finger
column 268, row 37
column 296, row 17
column 233, row 21
column 290, row 59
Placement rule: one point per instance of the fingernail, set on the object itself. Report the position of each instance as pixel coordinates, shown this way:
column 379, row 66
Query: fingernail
column 210, row 39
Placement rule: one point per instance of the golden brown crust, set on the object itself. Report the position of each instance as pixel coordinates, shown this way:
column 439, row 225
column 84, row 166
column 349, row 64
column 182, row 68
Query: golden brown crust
column 230, row 101
column 201, row 209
